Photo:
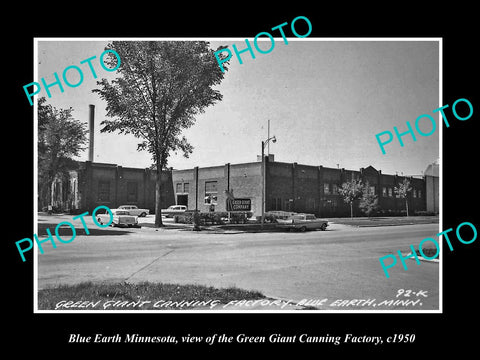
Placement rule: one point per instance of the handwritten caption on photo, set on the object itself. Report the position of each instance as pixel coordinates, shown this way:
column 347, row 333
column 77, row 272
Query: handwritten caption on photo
column 404, row 297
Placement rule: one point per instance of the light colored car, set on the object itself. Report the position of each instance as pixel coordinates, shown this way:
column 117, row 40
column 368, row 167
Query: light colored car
column 302, row 222
column 121, row 217
column 134, row 210
column 174, row 210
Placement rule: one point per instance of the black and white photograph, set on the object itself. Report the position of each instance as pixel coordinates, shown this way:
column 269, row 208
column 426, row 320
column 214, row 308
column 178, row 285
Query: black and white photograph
column 201, row 182
column 273, row 193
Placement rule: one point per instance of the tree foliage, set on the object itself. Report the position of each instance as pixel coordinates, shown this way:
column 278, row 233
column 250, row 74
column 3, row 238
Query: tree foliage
column 402, row 190
column 162, row 86
column 351, row 191
column 60, row 138
column 368, row 201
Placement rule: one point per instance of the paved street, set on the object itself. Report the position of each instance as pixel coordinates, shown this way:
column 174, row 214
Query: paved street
column 340, row 263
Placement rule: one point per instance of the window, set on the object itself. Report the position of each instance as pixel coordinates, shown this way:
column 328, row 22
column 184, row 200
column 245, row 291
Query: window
column 103, row 190
column 326, row 189
column 210, row 192
column 390, row 192
column 384, row 191
column 371, row 190
column 414, row 193
column 210, row 199
column 330, row 203
column 334, row 189
column 210, row 186
column 419, row 194
column 179, row 188
column 132, row 191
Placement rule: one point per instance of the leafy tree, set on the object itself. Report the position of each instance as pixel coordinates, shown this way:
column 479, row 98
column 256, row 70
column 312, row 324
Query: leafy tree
column 60, row 137
column 161, row 87
column 368, row 201
column 402, row 190
column 351, row 191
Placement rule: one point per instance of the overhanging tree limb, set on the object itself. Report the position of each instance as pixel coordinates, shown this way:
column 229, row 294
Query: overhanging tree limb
column 161, row 87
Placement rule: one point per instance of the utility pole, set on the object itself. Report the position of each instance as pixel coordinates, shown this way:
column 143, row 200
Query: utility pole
column 264, row 175
column 263, row 184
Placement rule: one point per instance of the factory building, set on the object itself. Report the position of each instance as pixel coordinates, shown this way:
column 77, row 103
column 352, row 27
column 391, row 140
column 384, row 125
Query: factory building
column 279, row 186
column 432, row 186
column 92, row 184
column 288, row 187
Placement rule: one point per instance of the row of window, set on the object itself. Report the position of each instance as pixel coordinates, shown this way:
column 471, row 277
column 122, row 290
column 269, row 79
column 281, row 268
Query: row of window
column 386, row 191
column 280, row 204
column 333, row 188
column 210, row 187
column 328, row 189
column 277, row 203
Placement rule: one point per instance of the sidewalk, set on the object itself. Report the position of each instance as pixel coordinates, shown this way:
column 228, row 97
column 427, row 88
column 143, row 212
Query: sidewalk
column 270, row 227
column 169, row 224
column 385, row 221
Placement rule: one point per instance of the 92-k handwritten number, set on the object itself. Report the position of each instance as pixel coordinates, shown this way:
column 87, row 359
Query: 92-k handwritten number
column 408, row 293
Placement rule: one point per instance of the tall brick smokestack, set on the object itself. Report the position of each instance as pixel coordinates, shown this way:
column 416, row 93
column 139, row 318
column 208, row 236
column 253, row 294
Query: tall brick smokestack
column 91, row 128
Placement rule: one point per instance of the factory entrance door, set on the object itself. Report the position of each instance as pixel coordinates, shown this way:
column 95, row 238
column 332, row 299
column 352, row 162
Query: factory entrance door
column 182, row 200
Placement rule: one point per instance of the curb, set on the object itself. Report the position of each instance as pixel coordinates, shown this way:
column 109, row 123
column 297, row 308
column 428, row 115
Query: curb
column 383, row 225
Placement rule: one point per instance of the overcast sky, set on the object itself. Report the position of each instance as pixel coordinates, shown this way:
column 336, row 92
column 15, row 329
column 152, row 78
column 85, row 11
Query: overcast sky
column 325, row 100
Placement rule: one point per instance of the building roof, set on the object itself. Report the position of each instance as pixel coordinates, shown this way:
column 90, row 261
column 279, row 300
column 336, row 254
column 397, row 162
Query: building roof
column 433, row 170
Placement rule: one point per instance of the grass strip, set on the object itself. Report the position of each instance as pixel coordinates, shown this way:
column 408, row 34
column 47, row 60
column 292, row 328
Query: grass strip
column 124, row 296
column 385, row 221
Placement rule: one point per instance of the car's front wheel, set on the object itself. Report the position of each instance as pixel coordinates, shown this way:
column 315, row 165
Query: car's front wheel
column 99, row 221
column 323, row 227
column 143, row 214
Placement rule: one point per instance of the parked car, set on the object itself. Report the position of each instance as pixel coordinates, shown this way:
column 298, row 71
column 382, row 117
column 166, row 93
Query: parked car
column 120, row 218
column 134, row 210
column 174, row 210
column 302, row 222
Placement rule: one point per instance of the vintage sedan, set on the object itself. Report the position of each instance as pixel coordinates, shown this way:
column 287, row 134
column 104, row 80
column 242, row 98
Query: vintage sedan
column 134, row 210
column 302, row 222
column 120, row 218
column 174, row 210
